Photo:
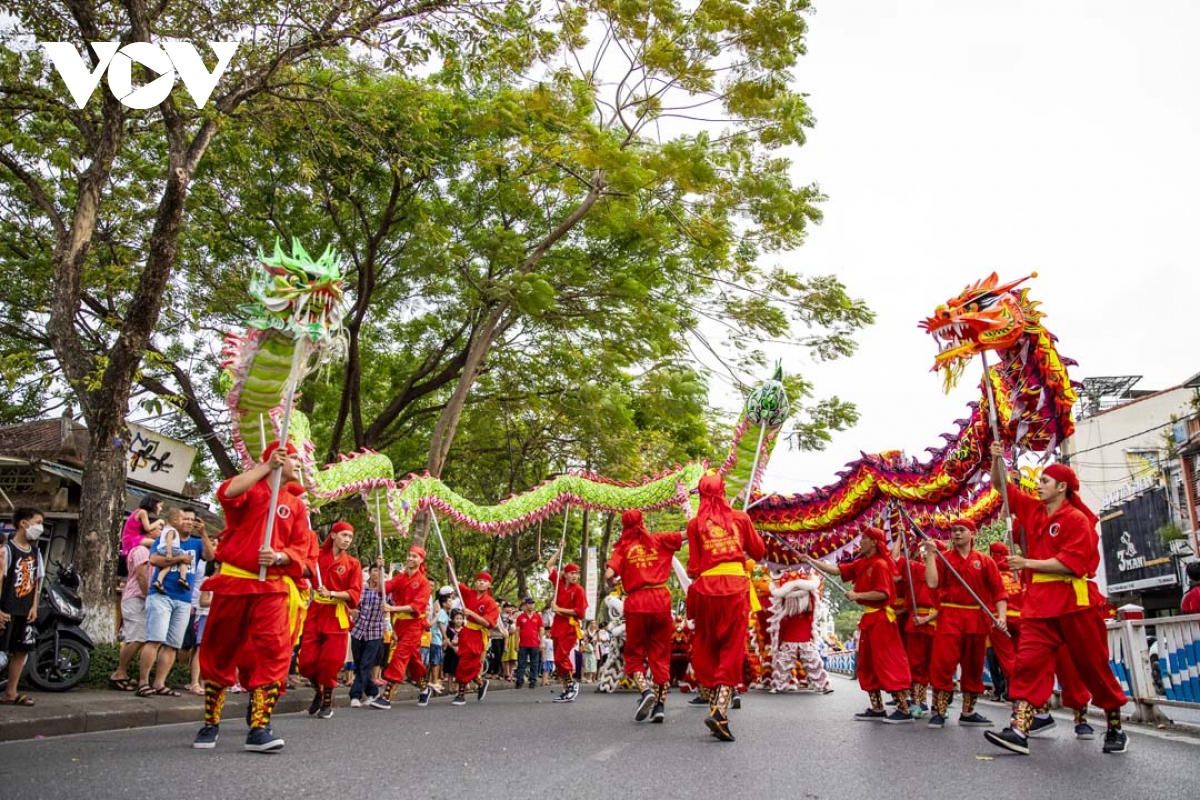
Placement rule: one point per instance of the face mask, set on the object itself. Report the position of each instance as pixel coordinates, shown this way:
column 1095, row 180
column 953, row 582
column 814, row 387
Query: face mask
column 33, row 532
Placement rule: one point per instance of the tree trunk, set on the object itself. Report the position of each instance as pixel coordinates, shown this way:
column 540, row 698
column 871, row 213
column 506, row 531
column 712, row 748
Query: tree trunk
column 101, row 508
column 601, row 562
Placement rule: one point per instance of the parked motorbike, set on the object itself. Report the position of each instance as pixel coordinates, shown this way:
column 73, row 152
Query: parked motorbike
column 63, row 654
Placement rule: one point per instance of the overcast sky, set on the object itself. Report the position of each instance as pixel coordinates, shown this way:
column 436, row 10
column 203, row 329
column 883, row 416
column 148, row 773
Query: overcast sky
column 958, row 138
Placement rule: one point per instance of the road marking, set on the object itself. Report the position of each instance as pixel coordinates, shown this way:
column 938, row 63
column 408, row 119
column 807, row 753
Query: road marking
column 608, row 752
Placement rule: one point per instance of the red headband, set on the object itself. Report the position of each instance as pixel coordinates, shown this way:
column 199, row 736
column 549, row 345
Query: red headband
column 963, row 523
column 273, row 446
column 1063, row 474
column 341, row 525
column 569, row 568
column 420, row 551
column 998, row 550
column 484, row 576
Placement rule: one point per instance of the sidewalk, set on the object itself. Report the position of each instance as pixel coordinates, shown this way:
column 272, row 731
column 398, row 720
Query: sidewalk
column 91, row 710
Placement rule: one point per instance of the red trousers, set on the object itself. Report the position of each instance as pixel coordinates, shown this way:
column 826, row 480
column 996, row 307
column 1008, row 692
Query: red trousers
column 882, row 664
column 1005, row 647
column 564, row 653
column 719, row 643
column 953, row 649
column 1084, row 639
column 471, row 644
column 247, row 635
column 406, row 655
column 919, row 648
column 1075, row 695
column 648, row 641
column 322, row 655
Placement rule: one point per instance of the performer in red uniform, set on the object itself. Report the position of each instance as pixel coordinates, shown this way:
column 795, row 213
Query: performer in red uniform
column 569, row 607
column 1004, row 648
column 1062, row 606
column 918, row 640
column 719, row 542
column 642, row 562
column 482, row 613
column 327, row 627
column 409, row 595
column 882, row 664
column 248, row 633
column 963, row 625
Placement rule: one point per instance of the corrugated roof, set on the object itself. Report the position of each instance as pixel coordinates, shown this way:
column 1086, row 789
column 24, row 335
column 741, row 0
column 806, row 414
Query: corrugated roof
column 44, row 440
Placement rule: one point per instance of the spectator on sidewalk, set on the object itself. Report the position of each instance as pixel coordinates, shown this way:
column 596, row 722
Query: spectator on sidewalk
column 508, row 666
column 437, row 638
column 21, row 572
column 450, row 661
column 497, row 637
column 529, row 645
column 547, row 655
column 587, row 647
column 133, row 613
column 1191, row 600
column 168, row 609
column 141, row 524
column 366, row 640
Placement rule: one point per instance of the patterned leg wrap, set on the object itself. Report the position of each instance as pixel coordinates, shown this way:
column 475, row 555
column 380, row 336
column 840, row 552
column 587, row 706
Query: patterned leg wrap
column 968, row 707
column 1080, row 715
column 901, row 699
column 262, row 705
column 639, row 680
column 1113, row 717
column 387, row 693
column 920, row 692
column 327, row 696
column 214, row 702
column 421, row 684
column 1022, row 717
column 941, row 701
column 876, row 698
column 721, row 701
column 660, row 692
column 1043, row 710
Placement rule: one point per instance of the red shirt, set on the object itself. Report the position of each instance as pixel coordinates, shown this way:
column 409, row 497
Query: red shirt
column 644, row 566
column 572, row 597
column 871, row 574
column 482, row 603
column 343, row 574
column 1191, row 601
column 529, row 629
column 906, row 583
column 981, row 574
column 715, row 546
column 1066, row 535
column 1016, row 592
column 245, row 524
column 797, row 627
column 409, row 590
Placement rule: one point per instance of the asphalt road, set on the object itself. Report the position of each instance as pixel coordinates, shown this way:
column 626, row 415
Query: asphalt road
column 517, row 744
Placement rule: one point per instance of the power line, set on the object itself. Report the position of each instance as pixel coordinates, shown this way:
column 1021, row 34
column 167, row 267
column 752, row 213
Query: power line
column 1118, row 441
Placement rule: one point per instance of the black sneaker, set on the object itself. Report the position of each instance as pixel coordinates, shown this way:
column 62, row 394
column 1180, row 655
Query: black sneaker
column 898, row 717
column 658, row 714
column 481, row 692
column 871, row 715
column 459, row 700
column 1010, row 740
column 262, row 740
column 206, row 739
column 1115, row 741
column 1041, row 725
column 974, row 720
column 326, row 712
column 698, row 702
column 572, row 692
column 644, row 705
column 381, row 703
column 936, row 721
column 315, row 705
column 423, row 697
column 1084, row 731
column 718, row 726
column 736, row 703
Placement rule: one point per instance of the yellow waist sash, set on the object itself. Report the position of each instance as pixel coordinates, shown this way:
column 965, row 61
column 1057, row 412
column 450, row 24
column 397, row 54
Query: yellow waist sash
column 971, row 607
column 406, row 615
column 649, row 586
column 1014, row 613
column 1079, row 584
column 475, row 626
column 735, row 569
column 294, row 606
column 342, row 617
column 923, row 611
column 891, row 613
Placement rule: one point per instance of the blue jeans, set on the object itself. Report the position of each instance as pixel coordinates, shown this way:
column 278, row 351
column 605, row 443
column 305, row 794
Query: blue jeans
column 366, row 654
column 529, row 658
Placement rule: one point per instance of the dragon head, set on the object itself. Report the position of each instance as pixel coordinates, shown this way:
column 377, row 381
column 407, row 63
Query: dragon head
column 298, row 295
column 987, row 315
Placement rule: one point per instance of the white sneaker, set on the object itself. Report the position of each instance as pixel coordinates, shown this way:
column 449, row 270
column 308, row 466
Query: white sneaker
column 355, row 702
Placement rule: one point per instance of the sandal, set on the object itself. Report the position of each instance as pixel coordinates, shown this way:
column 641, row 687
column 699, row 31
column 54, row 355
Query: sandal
column 159, row 586
column 196, row 689
column 145, row 690
column 19, row 700
column 121, row 684
column 166, row 691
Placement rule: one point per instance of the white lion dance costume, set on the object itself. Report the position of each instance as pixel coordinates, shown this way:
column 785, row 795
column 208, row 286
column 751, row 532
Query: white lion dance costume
column 796, row 599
